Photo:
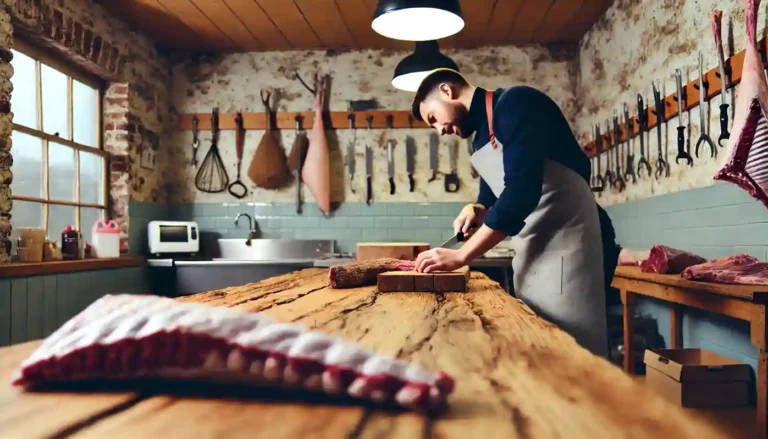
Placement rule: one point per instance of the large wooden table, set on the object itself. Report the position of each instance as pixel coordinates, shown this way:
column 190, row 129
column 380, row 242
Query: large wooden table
column 745, row 302
column 517, row 377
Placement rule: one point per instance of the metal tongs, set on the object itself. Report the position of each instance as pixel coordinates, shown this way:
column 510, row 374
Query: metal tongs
column 608, row 173
column 642, row 124
column 629, row 170
column 703, row 137
column 618, row 182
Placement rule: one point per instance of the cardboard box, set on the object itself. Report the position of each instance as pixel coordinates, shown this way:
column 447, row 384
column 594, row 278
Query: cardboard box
column 698, row 378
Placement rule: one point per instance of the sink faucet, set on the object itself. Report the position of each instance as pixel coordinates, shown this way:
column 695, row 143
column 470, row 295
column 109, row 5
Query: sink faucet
column 251, row 224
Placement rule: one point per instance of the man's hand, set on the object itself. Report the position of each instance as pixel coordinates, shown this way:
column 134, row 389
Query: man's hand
column 439, row 259
column 470, row 215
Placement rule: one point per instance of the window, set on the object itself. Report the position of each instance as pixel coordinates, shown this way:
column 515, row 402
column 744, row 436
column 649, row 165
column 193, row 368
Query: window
column 59, row 165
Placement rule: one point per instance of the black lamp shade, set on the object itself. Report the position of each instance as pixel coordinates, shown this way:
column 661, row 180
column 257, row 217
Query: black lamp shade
column 417, row 20
column 415, row 67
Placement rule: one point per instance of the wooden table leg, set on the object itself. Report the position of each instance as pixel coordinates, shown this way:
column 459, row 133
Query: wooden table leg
column 759, row 338
column 629, row 301
column 676, row 325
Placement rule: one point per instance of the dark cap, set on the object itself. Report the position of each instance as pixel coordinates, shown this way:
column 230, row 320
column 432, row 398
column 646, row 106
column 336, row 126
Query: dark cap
column 432, row 80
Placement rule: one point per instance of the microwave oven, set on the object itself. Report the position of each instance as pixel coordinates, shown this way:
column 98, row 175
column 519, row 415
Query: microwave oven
column 169, row 237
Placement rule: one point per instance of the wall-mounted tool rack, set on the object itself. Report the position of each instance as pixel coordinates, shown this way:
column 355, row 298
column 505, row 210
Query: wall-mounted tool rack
column 335, row 120
column 733, row 69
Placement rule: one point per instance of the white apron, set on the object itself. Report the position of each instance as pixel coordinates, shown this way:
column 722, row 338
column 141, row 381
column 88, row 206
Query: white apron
column 558, row 262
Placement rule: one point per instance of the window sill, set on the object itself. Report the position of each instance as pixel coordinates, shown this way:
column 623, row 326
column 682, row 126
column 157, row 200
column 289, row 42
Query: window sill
column 51, row 267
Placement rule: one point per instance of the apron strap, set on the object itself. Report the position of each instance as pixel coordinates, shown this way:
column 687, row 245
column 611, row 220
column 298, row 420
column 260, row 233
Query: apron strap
column 489, row 112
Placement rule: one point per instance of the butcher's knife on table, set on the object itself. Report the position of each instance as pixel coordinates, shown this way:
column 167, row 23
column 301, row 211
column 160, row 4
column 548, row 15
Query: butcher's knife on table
column 410, row 151
column 457, row 238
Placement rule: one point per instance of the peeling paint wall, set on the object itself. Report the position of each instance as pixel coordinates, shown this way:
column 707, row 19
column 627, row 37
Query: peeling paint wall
column 636, row 43
column 233, row 83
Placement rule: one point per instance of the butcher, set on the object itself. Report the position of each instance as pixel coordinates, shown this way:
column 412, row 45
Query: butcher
column 534, row 187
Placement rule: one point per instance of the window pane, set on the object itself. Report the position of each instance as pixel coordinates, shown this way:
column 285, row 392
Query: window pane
column 88, row 217
column 59, row 217
column 91, row 184
column 84, row 113
column 55, row 115
column 61, row 172
column 25, row 214
column 24, row 90
column 27, row 165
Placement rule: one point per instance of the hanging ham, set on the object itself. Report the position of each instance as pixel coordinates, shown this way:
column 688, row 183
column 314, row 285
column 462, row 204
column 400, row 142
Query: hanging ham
column 747, row 158
column 269, row 166
column 316, row 170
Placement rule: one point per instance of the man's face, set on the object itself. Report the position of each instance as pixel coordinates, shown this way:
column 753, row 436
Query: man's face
column 442, row 110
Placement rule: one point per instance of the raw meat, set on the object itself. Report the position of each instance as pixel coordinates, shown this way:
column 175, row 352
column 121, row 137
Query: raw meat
column 633, row 257
column 735, row 269
column 747, row 160
column 668, row 260
column 316, row 169
column 130, row 336
column 361, row 273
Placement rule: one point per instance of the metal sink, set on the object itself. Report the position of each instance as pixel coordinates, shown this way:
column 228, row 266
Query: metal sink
column 273, row 249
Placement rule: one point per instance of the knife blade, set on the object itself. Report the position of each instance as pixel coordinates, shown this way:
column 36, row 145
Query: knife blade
column 455, row 239
column 433, row 143
column 391, row 166
column 368, row 172
column 410, row 152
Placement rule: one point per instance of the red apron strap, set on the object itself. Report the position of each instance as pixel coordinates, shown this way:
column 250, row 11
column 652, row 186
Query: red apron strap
column 489, row 112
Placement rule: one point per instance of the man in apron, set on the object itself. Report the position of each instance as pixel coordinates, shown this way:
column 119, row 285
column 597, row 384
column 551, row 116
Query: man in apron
column 534, row 187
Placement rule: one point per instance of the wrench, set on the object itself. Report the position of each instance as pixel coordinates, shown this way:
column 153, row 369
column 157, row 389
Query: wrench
column 598, row 178
column 703, row 137
column 608, row 173
column 681, row 153
column 630, row 168
column 618, row 183
column 662, row 167
column 642, row 120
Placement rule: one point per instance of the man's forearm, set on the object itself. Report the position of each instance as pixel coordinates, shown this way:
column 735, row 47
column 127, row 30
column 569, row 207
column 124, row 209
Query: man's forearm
column 484, row 239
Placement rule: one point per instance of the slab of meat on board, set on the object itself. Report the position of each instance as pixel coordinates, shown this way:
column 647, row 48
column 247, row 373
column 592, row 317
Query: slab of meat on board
column 362, row 273
column 668, row 260
column 747, row 157
column 130, row 336
column 633, row 257
column 734, row 269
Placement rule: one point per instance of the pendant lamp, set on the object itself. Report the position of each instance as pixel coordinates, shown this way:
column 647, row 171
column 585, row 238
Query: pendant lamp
column 417, row 20
column 415, row 67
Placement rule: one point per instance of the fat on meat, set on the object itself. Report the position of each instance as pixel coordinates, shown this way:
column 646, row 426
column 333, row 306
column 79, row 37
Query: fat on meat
column 734, row 269
column 746, row 163
column 667, row 260
column 633, row 257
column 134, row 336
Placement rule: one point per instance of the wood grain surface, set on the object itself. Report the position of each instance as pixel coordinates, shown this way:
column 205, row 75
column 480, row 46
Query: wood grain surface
column 517, row 376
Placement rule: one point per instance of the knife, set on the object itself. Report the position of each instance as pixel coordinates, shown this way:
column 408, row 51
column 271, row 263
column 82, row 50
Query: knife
column 368, row 171
column 457, row 238
column 472, row 170
column 433, row 142
column 410, row 151
column 391, row 166
column 351, row 155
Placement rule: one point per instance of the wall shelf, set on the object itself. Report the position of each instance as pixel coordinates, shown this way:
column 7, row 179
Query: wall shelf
column 335, row 120
column 733, row 65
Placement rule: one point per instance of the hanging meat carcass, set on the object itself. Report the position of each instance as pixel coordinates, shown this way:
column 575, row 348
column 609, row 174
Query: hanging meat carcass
column 316, row 170
column 746, row 164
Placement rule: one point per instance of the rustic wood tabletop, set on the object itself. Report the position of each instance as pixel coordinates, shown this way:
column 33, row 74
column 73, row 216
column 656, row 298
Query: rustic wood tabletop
column 516, row 377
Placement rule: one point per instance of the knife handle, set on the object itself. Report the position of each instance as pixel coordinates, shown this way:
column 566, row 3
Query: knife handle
column 391, row 185
column 460, row 234
column 410, row 182
column 369, row 191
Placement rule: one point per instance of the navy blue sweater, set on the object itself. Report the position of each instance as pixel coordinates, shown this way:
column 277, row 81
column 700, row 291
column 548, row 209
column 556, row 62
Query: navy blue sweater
column 532, row 128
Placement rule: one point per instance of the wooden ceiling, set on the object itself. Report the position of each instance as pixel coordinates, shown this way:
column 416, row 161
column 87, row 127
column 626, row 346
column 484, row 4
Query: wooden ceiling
column 260, row 25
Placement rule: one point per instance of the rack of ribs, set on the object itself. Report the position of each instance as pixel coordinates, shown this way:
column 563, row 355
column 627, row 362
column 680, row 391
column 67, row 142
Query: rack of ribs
column 132, row 336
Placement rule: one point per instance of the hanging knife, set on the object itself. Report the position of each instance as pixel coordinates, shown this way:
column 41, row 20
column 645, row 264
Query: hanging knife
column 351, row 154
column 681, row 153
column 433, row 142
column 195, row 140
column 452, row 182
column 368, row 167
column 410, row 151
column 390, row 158
column 716, row 19
column 472, row 170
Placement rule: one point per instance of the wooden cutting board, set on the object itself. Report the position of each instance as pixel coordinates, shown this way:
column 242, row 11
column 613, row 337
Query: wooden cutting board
column 412, row 281
column 398, row 250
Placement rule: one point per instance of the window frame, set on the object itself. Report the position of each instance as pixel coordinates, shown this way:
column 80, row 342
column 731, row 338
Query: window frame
column 40, row 57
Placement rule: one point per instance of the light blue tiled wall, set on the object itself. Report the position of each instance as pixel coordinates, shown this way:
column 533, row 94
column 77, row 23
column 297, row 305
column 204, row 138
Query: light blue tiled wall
column 715, row 221
column 32, row 307
column 349, row 224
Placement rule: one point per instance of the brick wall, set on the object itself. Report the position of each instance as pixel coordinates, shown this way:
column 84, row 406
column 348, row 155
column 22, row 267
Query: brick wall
column 135, row 102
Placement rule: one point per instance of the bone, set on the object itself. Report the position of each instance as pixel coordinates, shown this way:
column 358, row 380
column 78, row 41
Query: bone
column 236, row 361
column 358, row 388
column 408, row 395
column 214, row 361
column 314, row 382
column 273, row 371
column 331, row 383
column 379, row 396
column 257, row 368
column 291, row 376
